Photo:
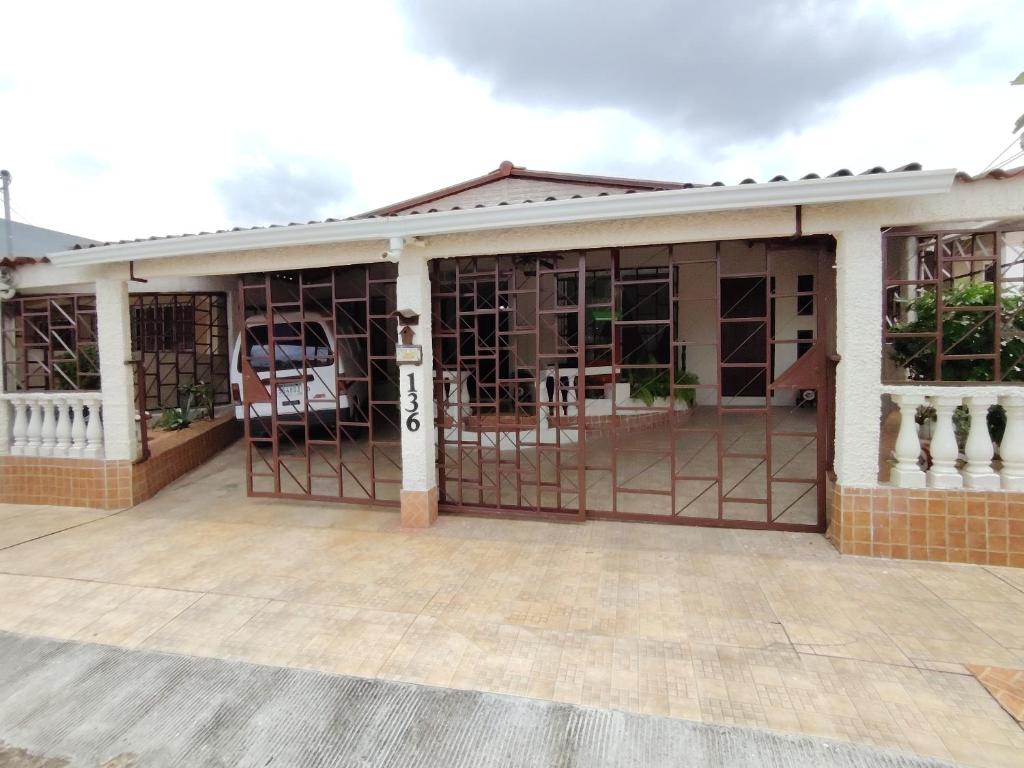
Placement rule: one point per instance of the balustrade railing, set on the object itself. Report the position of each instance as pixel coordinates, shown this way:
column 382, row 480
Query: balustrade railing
column 927, row 452
column 60, row 424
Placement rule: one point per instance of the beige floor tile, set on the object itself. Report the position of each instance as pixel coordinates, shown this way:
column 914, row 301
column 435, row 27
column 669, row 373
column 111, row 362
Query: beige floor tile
column 771, row 630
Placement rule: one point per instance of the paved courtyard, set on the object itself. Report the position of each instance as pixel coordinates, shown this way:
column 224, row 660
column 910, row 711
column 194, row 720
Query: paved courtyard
column 771, row 630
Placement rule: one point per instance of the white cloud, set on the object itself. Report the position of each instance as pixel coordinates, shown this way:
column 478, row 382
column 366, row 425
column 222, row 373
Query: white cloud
column 121, row 120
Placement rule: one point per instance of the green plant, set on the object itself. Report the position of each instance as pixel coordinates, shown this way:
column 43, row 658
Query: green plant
column 83, row 369
column 198, row 398
column 967, row 333
column 650, row 384
column 171, row 419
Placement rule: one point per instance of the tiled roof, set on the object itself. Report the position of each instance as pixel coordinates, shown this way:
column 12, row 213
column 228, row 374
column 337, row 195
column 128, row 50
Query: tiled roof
column 415, row 206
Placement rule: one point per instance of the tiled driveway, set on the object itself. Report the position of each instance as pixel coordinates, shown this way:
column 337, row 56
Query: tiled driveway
column 765, row 629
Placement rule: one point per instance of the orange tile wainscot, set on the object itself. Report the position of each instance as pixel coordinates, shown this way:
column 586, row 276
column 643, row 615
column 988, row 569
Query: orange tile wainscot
column 113, row 484
column 956, row 526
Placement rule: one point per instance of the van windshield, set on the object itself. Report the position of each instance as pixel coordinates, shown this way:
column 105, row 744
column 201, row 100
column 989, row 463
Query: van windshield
column 289, row 350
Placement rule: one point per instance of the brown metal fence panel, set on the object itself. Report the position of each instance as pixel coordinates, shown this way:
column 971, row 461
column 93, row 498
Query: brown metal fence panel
column 954, row 305
column 181, row 339
column 50, row 343
column 320, row 384
column 668, row 383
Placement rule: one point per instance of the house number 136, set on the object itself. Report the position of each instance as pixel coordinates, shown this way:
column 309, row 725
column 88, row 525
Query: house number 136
column 411, row 422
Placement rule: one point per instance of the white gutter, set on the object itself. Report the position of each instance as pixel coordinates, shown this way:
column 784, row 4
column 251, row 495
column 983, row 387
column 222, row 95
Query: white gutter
column 840, row 189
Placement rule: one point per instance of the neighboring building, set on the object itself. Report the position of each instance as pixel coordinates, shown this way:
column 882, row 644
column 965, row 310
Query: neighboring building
column 31, row 242
column 561, row 346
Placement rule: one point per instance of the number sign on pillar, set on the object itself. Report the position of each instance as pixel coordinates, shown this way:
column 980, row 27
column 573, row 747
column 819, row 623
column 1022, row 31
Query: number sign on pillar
column 412, row 409
column 407, row 354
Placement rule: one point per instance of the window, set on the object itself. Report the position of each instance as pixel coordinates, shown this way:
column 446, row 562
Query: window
column 643, row 297
column 296, row 345
column 954, row 306
column 805, row 285
column 158, row 327
column 804, row 345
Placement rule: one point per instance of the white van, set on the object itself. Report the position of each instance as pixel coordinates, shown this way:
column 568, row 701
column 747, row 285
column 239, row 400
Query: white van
column 298, row 337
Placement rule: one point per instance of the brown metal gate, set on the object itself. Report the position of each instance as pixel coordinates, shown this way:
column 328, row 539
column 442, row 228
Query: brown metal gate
column 319, row 384
column 674, row 383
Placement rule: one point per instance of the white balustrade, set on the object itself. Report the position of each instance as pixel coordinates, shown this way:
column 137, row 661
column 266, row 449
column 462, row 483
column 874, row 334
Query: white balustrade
column 978, row 467
column 59, row 424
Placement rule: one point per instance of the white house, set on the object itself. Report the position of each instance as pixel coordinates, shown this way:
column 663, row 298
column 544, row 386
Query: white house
column 841, row 352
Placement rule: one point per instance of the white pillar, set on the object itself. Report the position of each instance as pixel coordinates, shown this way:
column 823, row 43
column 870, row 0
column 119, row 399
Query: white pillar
column 943, row 447
column 1011, row 449
column 906, row 473
column 5, row 408
column 419, row 471
column 978, row 472
column 118, row 389
column 859, row 344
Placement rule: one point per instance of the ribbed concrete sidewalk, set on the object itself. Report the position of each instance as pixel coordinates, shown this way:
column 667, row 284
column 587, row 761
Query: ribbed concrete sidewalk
column 68, row 703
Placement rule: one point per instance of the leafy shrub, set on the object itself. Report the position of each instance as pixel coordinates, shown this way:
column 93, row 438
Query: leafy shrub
column 198, row 403
column 964, row 333
column 650, row 384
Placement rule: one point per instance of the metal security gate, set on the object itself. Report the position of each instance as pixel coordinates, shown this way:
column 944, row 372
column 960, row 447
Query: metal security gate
column 674, row 383
column 504, row 363
column 319, row 384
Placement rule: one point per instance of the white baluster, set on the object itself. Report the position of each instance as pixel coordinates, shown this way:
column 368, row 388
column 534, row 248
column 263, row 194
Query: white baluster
column 94, row 430
column 907, row 473
column 77, row 428
column 35, row 428
column 63, row 431
column 48, row 433
column 978, row 472
column 5, row 427
column 1011, row 449
column 943, row 447
column 20, row 431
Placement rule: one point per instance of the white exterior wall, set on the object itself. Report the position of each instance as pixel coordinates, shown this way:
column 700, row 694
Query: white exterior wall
column 859, row 343
column 117, row 388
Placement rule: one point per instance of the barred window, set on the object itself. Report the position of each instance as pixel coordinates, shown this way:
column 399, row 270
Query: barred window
column 163, row 327
column 954, row 306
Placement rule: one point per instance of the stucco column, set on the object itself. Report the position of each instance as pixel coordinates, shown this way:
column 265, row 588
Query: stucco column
column 859, row 344
column 5, row 419
column 117, row 386
column 419, row 471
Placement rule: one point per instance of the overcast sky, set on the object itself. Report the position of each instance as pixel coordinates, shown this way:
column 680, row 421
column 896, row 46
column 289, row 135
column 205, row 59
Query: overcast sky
column 119, row 120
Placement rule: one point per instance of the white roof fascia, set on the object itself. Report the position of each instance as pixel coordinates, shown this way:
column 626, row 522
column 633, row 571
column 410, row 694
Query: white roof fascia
column 838, row 189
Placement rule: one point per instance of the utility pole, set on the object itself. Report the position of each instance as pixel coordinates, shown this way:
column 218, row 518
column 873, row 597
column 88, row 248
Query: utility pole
column 5, row 180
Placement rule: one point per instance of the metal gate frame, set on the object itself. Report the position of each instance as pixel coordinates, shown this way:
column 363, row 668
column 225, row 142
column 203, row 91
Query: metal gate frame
column 452, row 365
column 474, row 338
column 366, row 326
